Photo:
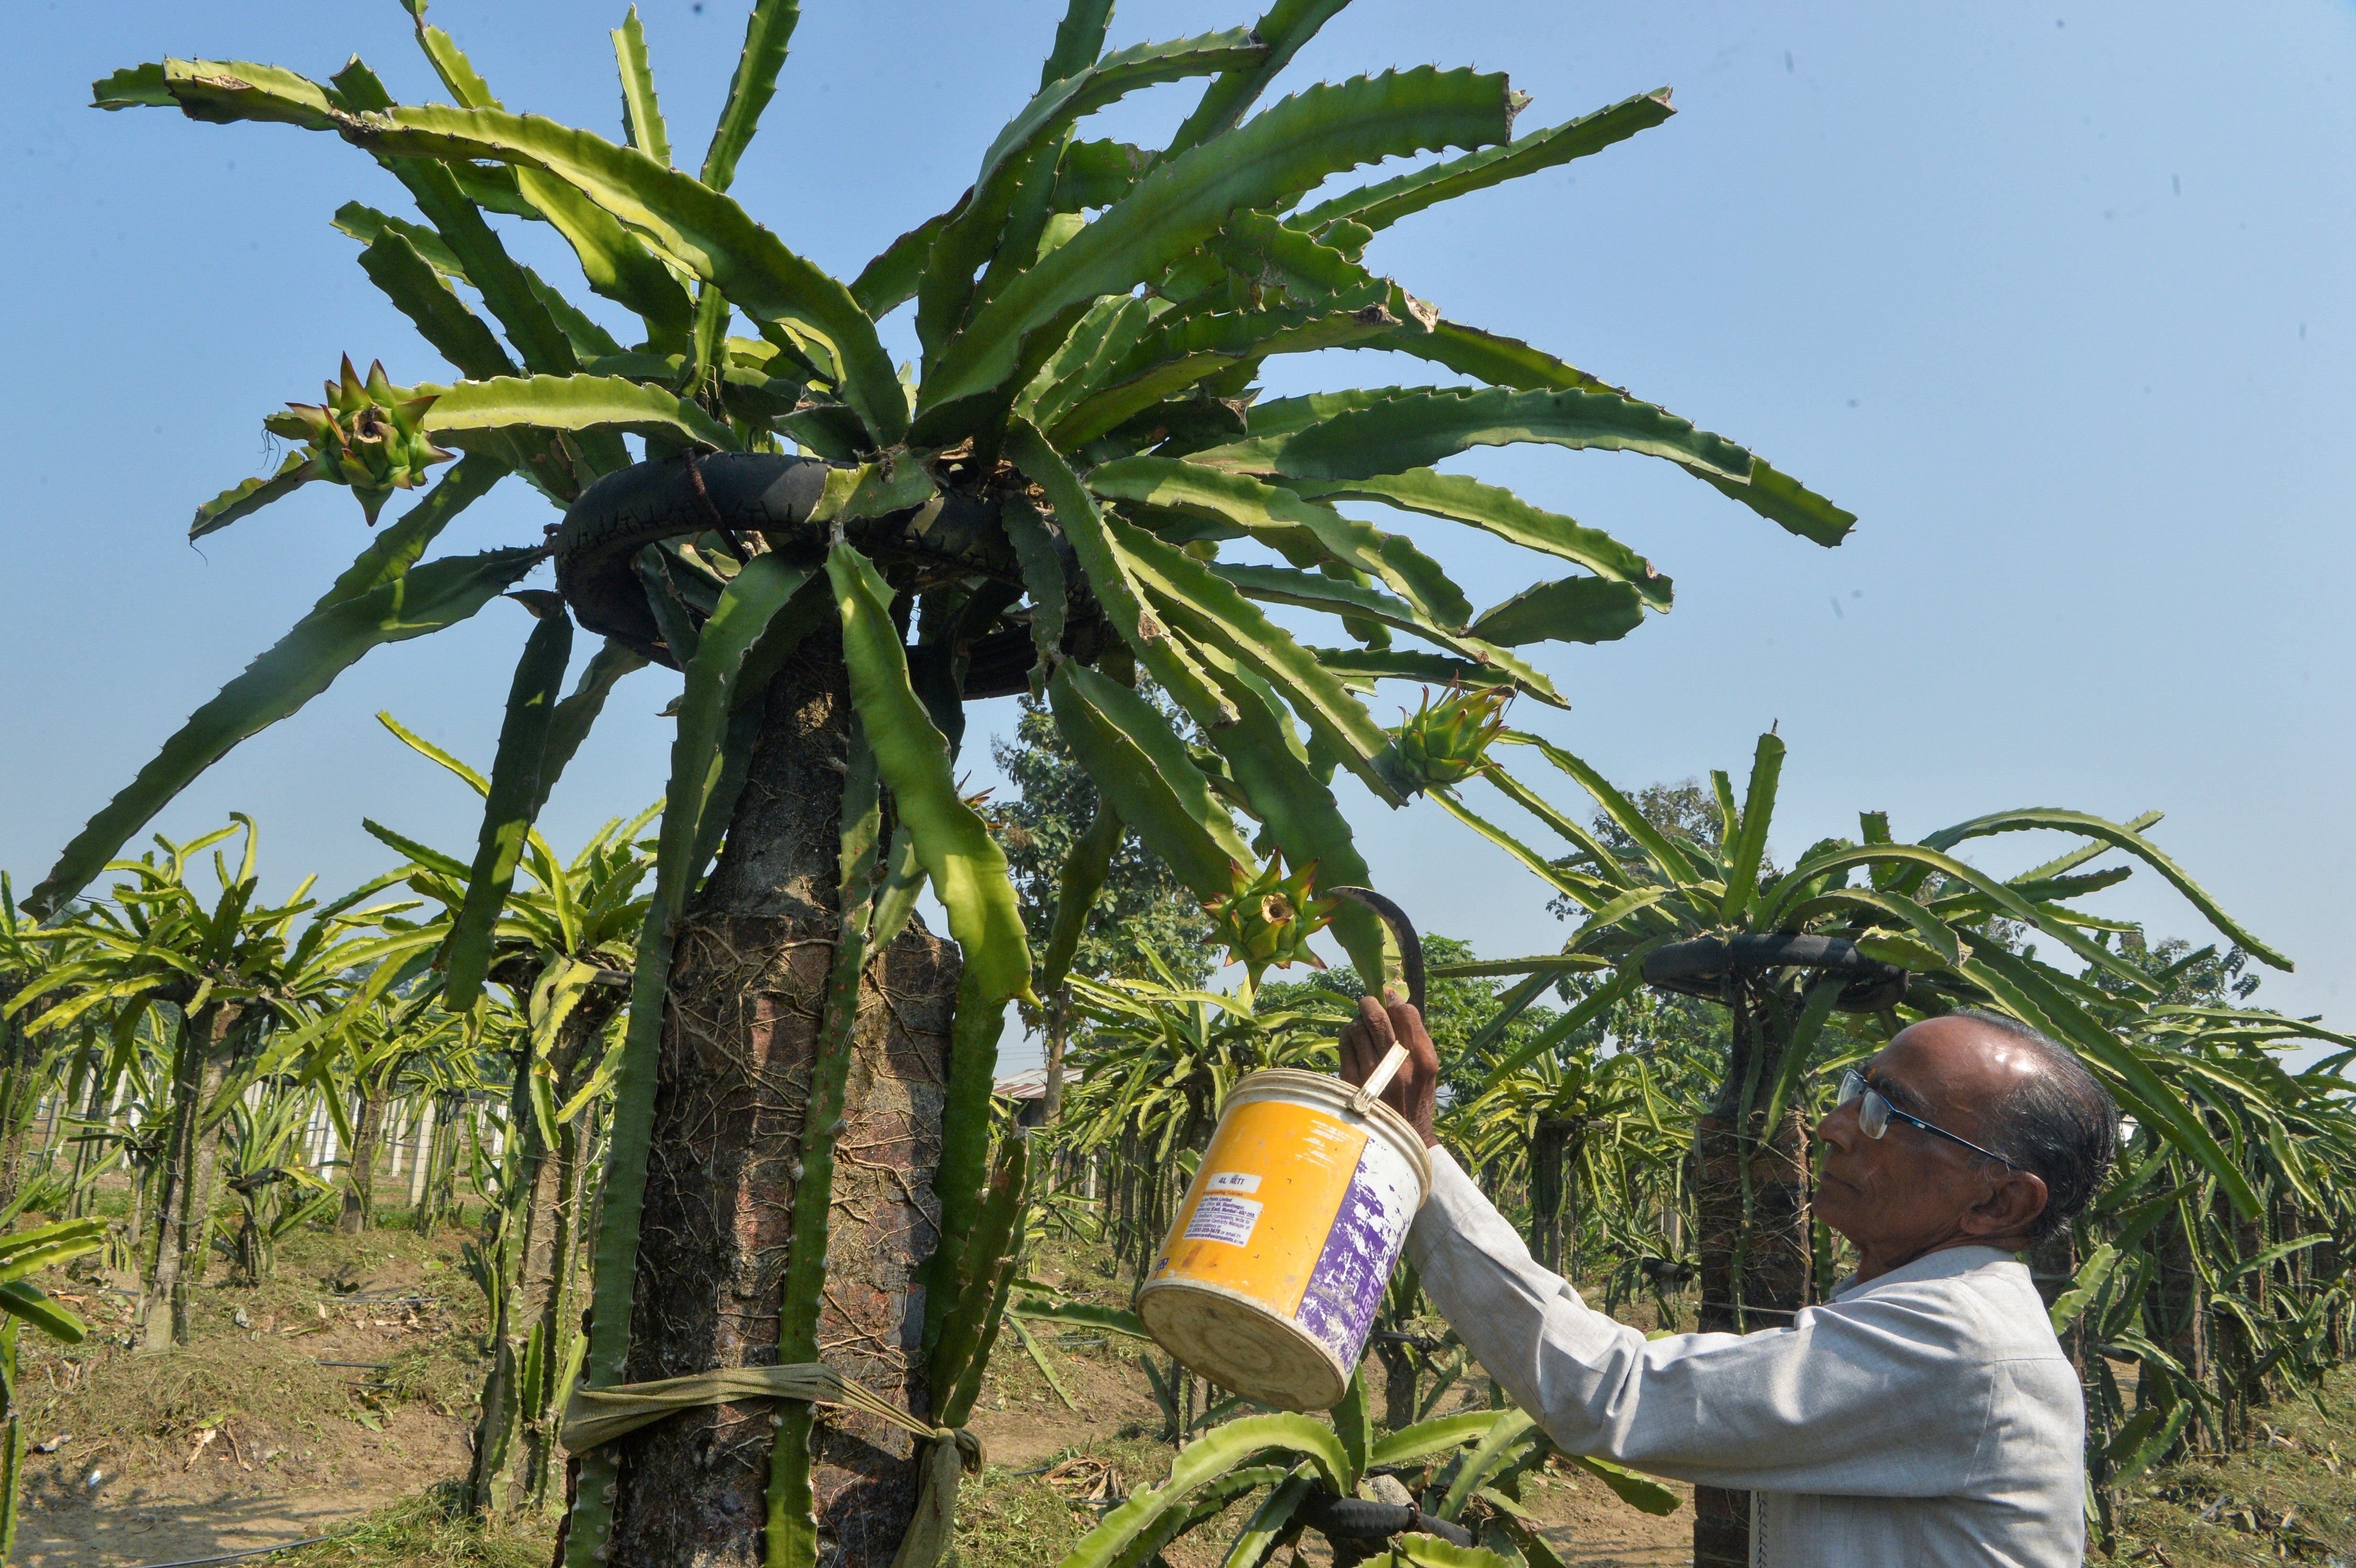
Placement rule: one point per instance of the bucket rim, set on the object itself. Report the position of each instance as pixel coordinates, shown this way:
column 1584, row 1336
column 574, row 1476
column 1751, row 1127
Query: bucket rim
column 1334, row 1096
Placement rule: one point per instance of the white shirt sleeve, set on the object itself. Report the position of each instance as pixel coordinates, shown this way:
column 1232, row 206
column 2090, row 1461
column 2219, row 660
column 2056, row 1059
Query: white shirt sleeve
column 1878, row 1395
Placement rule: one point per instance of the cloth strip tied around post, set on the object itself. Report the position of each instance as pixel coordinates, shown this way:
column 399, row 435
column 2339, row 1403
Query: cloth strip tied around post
column 595, row 1416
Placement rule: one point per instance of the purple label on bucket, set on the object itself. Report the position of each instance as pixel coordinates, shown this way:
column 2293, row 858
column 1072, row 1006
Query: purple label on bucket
column 1345, row 1288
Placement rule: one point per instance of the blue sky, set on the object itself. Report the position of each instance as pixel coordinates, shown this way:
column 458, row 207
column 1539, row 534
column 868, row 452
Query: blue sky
column 2055, row 297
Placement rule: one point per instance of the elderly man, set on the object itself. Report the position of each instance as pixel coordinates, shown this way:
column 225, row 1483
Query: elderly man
column 1925, row 1415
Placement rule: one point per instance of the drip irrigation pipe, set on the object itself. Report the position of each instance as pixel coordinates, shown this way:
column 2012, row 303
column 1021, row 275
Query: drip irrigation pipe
column 234, row 1556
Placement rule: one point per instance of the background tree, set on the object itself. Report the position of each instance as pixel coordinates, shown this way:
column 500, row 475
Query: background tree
column 1047, row 498
column 1683, row 810
column 1141, row 903
column 1141, row 922
column 269, row 1191
column 234, row 975
column 387, row 1042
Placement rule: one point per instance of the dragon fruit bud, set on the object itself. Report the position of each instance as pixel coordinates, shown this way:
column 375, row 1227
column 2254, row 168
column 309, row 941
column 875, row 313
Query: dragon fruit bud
column 1444, row 743
column 368, row 434
column 1267, row 919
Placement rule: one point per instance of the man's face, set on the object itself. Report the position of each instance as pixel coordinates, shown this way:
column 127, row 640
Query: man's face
column 1909, row 1190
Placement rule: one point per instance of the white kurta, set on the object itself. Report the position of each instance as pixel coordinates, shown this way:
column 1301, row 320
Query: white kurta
column 1927, row 1418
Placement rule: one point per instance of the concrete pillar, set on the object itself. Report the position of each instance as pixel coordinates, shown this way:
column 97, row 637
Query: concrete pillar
column 424, row 1136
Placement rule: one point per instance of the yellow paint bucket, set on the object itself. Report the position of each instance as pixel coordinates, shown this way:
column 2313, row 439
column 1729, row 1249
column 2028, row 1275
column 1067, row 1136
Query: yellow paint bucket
column 1277, row 1262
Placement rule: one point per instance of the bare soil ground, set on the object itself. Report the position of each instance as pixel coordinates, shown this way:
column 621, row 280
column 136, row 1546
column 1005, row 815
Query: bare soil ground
column 342, row 1385
column 366, row 1452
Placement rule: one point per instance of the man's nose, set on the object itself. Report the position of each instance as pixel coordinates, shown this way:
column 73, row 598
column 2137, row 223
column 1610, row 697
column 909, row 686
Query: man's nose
column 1839, row 1128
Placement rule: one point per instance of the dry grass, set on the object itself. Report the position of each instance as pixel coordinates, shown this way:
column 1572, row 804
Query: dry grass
column 1006, row 1516
column 430, row 1531
column 145, row 1409
column 250, row 1431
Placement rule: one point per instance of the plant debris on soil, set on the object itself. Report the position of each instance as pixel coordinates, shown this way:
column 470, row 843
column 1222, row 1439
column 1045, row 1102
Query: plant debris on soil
column 343, row 1383
column 2290, row 1496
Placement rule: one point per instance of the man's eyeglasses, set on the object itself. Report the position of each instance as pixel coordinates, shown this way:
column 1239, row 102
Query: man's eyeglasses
column 1875, row 1113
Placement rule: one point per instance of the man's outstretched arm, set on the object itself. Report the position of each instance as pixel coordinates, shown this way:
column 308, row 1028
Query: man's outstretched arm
column 1874, row 1398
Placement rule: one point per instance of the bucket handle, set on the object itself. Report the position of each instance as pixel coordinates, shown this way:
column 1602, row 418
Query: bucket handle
column 1362, row 1102
column 1411, row 969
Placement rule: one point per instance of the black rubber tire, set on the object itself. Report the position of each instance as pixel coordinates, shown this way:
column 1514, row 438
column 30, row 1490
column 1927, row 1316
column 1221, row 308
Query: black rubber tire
column 1708, row 967
column 749, row 492
column 772, row 496
column 1355, row 1519
column 999, row 665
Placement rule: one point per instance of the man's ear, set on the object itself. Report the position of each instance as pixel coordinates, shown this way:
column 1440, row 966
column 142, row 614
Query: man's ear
column 2017, row 1199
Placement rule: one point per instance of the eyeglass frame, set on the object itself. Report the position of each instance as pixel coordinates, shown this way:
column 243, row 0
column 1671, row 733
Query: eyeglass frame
column 1855, row 1086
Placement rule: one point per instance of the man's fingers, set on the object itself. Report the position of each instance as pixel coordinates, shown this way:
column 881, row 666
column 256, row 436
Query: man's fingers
column 1407, row 1024
column 1366, row 1041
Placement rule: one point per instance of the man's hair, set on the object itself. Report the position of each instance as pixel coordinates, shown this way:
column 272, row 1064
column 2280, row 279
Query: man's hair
column 2059, row 1124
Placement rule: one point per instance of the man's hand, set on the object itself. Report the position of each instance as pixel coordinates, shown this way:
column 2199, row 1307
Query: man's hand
column 1366, row 1042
